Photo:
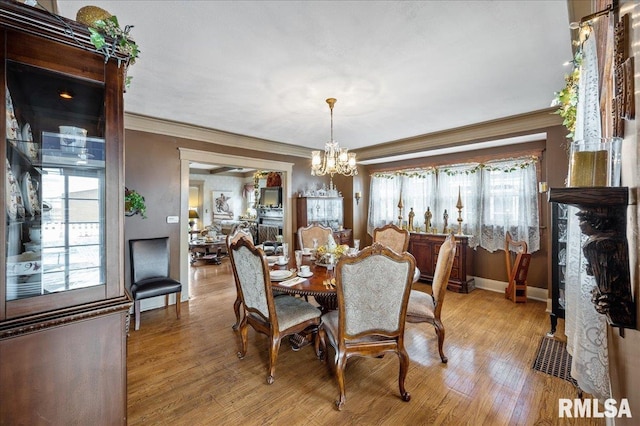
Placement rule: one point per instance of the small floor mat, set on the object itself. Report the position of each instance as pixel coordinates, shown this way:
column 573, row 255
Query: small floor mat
column 553, row 359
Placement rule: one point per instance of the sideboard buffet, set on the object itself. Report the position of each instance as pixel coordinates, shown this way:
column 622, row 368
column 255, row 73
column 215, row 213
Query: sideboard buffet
column 63, row 306
column 425, row 247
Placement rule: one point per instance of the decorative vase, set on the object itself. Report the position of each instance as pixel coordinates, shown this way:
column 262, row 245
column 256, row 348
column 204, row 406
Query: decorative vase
column 594, row 162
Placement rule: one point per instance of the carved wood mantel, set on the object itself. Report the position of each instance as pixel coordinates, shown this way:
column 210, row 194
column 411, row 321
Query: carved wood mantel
column 603, row 219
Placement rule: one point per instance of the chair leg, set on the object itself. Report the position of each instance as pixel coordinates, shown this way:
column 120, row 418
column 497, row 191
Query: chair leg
column 341, row 363
column 236, row 309
column 244, row 335
column 402, row 375
column 440, row 332
column 274, row 347
column 136, row 310
column 166, row 300
column 178, row 299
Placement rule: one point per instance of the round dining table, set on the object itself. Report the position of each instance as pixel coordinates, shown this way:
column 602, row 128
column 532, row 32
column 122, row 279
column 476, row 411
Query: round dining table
column 321, row 285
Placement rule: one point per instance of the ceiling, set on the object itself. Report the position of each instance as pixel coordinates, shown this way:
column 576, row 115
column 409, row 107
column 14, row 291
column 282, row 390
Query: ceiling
column 398, row 69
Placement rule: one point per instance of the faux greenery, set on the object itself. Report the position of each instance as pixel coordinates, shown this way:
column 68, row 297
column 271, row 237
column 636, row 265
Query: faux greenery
column 567, row 99
column 121, row 41
column 134, row 203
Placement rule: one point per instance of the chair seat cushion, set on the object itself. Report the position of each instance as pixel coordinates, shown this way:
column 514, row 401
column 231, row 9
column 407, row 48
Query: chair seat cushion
column 152, row 287
column 420, row 305
column 330, row 324
column 292, row 311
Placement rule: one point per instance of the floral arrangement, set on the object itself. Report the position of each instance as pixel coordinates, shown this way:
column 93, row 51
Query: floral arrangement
column 337, row 252
column 331, row 248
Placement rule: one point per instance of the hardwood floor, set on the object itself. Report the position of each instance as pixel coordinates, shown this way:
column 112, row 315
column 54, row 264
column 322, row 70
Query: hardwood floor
column 186, row 372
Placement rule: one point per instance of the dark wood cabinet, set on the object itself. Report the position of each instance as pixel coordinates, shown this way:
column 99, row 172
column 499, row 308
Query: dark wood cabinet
column 63, row 305
column 425, row 248
column 559, row 221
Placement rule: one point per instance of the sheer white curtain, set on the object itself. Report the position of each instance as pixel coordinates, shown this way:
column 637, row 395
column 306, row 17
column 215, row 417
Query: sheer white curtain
column 510, row 203
column 586, row 329
column 463, row 179
column 418, row 192
column 383, row 201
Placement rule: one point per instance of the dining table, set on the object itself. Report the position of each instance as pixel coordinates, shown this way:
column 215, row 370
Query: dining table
column 320, row 285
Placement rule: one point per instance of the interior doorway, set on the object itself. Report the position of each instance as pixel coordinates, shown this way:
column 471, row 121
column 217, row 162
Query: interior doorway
column 187, row 155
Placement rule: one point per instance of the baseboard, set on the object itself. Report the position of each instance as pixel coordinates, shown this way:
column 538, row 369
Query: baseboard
column 534, row 293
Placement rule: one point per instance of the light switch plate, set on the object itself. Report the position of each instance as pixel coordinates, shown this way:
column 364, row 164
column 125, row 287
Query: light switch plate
column 173, row 219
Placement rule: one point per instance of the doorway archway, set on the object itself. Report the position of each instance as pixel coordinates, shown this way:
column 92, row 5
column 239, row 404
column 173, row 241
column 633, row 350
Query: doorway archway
column 187, row 155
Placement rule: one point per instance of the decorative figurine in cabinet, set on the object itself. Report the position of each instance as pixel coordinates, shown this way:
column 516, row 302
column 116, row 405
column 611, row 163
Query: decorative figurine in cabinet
column 63, row 305
column 558, row 262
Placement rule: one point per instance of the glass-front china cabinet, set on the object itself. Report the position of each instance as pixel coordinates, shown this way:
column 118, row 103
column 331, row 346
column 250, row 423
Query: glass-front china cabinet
column 64, row 310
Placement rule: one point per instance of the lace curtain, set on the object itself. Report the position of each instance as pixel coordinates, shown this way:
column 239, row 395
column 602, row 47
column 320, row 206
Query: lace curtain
column 466, row 179
column 496, row 197
column 418, row 192
column 509, row 203
column 384, row 190
column 586, row 330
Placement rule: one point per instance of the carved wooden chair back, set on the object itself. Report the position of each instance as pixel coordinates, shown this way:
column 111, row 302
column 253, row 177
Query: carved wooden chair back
column 397, row 239
column 275, row 317
column 308, row 233
column 234, row 237
column 372, row 293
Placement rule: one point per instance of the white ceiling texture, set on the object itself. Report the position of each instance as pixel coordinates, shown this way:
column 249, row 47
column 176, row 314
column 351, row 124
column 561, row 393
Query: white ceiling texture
column 398, row 69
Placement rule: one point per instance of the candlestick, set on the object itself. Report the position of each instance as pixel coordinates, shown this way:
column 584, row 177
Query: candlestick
column 459, row 207
column 400, row 206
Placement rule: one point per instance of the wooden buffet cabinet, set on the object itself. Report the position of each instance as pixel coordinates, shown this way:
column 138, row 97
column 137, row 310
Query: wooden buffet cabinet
column 64, row 311
column 425, row 248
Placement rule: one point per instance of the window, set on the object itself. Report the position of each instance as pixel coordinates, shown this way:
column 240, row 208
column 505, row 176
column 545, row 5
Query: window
column 509, row 203
column 496, row 197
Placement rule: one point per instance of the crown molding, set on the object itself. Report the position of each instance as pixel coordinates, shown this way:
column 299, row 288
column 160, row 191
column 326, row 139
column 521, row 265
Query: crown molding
column 176, row 129
column 514, row 125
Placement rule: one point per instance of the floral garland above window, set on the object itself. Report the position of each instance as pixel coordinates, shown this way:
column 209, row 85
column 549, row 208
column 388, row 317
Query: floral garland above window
column 505, row 165
column 413, row 173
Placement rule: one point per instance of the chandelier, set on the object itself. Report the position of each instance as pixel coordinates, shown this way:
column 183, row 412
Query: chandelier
column 336, row 159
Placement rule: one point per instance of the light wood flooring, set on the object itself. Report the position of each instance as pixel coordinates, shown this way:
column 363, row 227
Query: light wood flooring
column 186, row 372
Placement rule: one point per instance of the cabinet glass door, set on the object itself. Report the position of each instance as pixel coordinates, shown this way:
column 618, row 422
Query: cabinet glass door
column 55, row 182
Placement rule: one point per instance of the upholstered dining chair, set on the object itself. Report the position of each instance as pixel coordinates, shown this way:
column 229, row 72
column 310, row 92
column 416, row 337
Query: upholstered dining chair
column 149, row 261
column 276, row 317
column 397, row 239
column 373, row 291
column 306, row 234
column 424, row 307
column 232, row 238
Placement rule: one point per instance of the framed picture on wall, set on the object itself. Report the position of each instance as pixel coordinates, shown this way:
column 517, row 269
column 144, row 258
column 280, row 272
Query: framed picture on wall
column 222, row 204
